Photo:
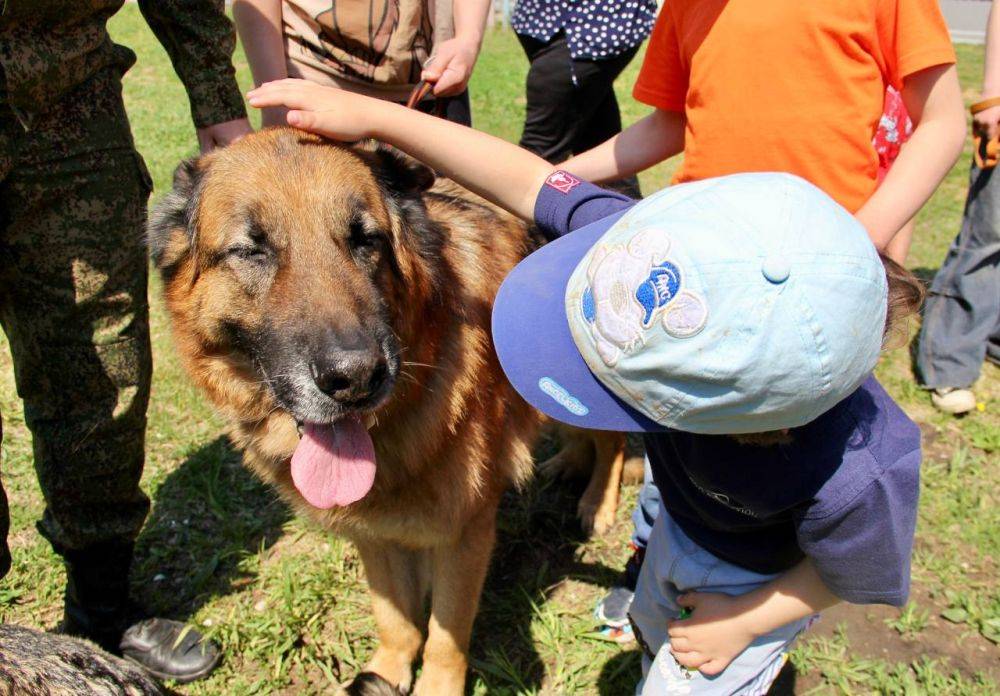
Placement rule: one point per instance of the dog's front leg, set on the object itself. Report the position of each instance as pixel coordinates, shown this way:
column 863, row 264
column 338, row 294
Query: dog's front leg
column 459, row 570
column 399, row 579
column 599, row 502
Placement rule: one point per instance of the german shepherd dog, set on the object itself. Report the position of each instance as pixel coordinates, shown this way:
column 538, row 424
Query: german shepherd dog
column 334, row 303
column 33, row 663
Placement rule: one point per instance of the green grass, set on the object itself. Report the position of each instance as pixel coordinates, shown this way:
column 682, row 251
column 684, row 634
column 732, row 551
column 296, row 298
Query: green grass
column 288, row 603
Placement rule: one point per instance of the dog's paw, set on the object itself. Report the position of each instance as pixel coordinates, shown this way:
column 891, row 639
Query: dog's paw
column 633, row 471
column 595, row 519
column 569, row 462
column 371, row 684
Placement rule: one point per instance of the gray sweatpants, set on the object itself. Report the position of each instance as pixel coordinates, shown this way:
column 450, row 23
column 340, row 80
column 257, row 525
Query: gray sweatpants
column 961, row 323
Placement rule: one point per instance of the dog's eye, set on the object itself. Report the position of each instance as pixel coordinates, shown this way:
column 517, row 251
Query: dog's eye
column 361, row 239
column 254, row 253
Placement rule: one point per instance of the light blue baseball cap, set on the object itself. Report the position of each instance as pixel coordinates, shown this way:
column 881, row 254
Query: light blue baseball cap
column 746, row 303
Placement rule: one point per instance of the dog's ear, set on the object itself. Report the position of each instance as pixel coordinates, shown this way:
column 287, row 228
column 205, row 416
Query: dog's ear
column 170, row 232
column 399, row 173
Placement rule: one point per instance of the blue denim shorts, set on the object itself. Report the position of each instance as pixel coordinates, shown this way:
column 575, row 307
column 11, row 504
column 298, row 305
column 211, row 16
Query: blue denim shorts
column 673, row 565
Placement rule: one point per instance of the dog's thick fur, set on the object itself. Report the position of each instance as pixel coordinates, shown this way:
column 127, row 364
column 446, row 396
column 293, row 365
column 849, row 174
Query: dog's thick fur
column 275, row 248
column 42, row 664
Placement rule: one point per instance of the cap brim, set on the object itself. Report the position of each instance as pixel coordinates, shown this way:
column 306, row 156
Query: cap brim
column 536, row 349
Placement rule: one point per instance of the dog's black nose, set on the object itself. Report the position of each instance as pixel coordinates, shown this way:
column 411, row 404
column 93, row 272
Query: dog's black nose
column 350, row 375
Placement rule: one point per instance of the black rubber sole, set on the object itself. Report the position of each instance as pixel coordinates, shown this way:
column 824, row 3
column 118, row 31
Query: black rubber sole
column 180, row 679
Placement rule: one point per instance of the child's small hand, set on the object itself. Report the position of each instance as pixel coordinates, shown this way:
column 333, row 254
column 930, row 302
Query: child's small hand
column 328, row 111
column 716, row 632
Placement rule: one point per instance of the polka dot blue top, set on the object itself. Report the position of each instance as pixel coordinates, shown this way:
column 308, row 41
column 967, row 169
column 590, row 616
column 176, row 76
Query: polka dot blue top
column 595, row 29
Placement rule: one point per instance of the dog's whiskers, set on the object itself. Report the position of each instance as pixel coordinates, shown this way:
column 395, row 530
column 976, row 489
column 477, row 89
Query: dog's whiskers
column 413, row 379
column 410, row 363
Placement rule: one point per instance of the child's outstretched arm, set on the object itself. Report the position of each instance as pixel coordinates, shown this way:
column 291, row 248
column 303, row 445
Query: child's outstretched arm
column 721, row 626
column 497, row 170
column 934, row 100
column 646, row 142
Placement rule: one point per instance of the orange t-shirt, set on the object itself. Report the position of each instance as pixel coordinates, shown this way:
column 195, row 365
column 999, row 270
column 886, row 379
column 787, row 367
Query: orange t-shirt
column 787, row 85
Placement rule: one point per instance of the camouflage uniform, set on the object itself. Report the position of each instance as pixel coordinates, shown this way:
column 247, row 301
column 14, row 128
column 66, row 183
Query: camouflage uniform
column 73, row 194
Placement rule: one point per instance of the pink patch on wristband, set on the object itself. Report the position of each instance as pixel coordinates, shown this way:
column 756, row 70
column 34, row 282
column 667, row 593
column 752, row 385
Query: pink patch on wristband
column 561, row 181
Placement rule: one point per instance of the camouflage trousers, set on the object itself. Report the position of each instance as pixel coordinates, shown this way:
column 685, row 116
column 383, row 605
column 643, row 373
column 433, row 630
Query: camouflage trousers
column 73, row 305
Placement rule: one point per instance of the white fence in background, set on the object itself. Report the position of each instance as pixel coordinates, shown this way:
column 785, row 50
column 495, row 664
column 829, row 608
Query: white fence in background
column 966, row 19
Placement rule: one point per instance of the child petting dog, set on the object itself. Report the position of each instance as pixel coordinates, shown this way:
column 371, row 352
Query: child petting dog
column 749, row 305
column 736, row 305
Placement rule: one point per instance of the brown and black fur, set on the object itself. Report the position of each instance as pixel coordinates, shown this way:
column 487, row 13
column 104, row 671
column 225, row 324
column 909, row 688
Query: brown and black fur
column 282, row 249
column 33, row 663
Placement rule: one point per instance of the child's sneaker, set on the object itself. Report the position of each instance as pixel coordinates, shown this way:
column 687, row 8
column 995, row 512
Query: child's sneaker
column 953, row 401
column 612, row 611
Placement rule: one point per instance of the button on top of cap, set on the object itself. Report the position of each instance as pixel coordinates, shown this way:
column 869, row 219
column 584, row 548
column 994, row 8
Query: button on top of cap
column 776, row 269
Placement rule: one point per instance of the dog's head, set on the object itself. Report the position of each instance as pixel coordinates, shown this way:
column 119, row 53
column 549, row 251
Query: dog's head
column 292, row 260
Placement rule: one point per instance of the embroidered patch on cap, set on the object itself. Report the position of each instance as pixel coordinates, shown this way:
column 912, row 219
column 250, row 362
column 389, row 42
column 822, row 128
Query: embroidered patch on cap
column 562, row 397
column 561, row 181
column 686, row 315
column 658, row 289
column 630, row 287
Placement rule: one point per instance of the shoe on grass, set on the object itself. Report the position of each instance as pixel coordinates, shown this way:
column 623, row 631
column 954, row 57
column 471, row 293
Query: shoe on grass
column 170, row 650
column 97, row 607
column 953, row 401
column 612, row 611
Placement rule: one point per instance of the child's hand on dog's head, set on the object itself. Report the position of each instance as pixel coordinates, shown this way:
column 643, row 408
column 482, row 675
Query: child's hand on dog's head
column 334, row 113
column 717, row 630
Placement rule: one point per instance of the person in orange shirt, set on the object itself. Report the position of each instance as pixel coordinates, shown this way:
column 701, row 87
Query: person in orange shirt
column 787, row 86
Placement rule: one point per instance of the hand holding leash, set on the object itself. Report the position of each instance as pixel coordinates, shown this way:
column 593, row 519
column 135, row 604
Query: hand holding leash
column 450, row 68
column 985, row 132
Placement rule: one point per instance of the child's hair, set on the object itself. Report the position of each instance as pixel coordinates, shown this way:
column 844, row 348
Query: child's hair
column 905, row 296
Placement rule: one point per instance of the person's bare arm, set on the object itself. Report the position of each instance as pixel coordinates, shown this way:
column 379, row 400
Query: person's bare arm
column 721, row 626
column 454, row 59
column 259, row 25
column 934, row 101
column 646, row 142
column 499, row 171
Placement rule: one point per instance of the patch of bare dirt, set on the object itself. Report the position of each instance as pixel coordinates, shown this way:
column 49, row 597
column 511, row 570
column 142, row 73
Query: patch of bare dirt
column 956, row 645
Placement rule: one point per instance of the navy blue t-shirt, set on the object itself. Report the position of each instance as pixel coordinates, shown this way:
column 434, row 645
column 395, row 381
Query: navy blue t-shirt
column 843, row 492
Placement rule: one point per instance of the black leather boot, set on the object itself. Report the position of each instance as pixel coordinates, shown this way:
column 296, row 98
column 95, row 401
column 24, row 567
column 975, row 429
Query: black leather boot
column 97, row 608
column 97, row 605
column 170, row 650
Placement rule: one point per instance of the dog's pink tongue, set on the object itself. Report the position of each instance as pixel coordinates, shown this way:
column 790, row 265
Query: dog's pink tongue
column 334, row 464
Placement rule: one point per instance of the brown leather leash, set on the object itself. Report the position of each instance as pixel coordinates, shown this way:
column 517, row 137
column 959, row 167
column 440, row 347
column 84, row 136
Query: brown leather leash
column 420, row 92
